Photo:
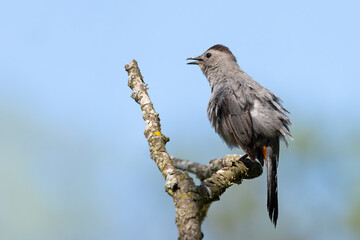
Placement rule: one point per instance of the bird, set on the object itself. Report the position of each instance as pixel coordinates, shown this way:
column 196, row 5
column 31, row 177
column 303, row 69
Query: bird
column 245, row 114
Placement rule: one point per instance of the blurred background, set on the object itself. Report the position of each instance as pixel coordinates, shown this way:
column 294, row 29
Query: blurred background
column 74, row 163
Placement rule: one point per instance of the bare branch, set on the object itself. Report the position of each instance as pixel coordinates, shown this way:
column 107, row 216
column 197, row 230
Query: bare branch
column 201, row 171
column 233, row 170
column 179, row 185
column 205, row 171
column 191, row 201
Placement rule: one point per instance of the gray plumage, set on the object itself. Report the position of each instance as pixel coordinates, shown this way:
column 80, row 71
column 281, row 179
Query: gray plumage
column 245, row 114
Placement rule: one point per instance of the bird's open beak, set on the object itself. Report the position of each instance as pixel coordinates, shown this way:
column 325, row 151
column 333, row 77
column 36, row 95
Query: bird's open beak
column 197, row 59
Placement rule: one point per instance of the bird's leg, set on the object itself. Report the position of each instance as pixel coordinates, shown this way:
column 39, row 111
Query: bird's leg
column 243, row 158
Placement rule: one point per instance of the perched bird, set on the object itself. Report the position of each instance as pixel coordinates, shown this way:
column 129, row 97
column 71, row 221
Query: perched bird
column 245, row 114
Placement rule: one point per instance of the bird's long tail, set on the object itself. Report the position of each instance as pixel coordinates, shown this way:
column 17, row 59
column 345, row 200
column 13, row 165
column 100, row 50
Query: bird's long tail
column 272, row 156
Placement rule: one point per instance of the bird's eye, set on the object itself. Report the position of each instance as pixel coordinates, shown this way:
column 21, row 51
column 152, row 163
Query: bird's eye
column 208, row 55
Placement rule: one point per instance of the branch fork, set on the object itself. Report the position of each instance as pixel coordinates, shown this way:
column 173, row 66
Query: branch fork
column 191, row 201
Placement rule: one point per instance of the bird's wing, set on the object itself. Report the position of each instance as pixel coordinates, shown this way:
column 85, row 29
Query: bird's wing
column 238, row 121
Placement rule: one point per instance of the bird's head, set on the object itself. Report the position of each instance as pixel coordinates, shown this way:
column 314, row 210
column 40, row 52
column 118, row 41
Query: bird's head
column 213, row 57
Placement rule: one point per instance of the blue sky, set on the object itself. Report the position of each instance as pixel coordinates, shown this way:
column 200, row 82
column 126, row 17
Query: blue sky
column 72, row 133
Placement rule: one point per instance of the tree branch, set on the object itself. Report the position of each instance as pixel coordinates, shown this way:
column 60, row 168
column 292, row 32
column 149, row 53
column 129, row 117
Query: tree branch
column 191, row 201
column 205, row 171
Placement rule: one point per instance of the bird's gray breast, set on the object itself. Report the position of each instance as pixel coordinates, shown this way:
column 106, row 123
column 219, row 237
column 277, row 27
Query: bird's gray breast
column 229, row 113
column 218, row 111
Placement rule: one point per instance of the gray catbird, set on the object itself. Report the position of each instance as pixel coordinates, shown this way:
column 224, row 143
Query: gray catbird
column 245, row 114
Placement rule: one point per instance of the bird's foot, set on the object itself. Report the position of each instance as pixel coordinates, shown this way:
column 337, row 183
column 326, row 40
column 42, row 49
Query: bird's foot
column 241, row 159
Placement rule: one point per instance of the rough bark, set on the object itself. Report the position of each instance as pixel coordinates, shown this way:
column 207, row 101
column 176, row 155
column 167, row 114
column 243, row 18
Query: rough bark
column 191, row 201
